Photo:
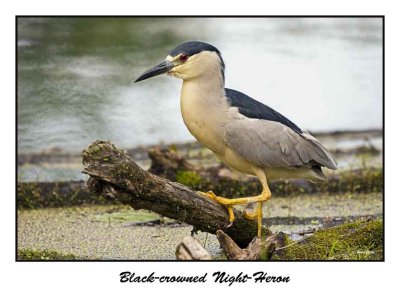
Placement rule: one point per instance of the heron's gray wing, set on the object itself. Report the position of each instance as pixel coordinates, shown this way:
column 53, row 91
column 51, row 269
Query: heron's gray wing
column 272, row 144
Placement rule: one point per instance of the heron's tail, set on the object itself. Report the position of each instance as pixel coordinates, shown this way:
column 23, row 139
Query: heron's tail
column 325, row 158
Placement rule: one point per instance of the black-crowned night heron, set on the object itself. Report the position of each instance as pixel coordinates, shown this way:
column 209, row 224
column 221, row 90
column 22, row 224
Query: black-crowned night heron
column 245, row 134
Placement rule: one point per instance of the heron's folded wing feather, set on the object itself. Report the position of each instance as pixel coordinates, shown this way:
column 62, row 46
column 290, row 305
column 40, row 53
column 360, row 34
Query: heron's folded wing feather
column 272, row 144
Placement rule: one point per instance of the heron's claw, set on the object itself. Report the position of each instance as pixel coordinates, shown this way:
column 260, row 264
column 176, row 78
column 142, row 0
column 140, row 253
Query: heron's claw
column 210, row 194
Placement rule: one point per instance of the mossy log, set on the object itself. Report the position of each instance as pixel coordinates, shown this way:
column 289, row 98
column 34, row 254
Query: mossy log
column 113, row 174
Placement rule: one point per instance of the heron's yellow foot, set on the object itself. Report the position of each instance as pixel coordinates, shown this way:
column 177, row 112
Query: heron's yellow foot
column 210, row 194
column 264, row 196
column 259, row 218
column 229, row 203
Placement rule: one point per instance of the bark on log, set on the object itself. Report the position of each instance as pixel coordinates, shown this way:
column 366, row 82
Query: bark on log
column 115, row 175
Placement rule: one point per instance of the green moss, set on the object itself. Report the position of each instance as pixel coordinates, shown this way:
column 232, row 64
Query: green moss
column 361, row 240
column 188, row 178
column 94, row 149
column 34, row 255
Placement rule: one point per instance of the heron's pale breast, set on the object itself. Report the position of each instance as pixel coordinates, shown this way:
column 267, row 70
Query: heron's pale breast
column 203, row 115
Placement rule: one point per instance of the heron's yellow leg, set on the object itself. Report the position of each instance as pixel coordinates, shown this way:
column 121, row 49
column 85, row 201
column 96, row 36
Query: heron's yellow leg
column 259, row 218
column 258, row 214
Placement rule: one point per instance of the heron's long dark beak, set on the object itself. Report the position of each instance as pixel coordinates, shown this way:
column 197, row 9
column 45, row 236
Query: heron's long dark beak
column 159, row 69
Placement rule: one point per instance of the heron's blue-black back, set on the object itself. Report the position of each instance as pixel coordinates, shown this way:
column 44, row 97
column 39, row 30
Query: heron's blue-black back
column 253, row 109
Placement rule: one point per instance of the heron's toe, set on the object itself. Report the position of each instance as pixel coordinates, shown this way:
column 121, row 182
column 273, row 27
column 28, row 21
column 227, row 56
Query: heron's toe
column 211, row 194
column 249, row 216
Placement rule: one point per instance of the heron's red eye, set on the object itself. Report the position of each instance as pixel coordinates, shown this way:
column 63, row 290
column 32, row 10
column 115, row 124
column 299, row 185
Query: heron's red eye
column 183, row 57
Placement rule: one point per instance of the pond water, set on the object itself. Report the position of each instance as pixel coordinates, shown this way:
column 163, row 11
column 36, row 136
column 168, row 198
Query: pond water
column 75, row 75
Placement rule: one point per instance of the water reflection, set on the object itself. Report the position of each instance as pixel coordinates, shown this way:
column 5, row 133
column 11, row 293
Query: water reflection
column 75, row 75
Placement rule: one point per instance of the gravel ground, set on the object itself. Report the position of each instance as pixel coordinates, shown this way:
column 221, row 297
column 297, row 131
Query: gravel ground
column 105, row 232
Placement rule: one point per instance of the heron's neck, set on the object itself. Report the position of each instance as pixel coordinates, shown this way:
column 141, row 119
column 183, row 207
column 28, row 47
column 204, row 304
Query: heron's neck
column 205, row 89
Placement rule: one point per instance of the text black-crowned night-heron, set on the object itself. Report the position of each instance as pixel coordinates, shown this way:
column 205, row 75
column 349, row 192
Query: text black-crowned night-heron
column 245, row 134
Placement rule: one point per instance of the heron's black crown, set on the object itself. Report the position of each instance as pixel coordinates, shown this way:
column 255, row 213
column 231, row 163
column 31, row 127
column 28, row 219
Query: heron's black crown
column 194, row 47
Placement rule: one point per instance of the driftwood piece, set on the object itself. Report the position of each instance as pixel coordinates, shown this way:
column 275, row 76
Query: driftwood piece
column 258, row 249
column 115, row 175
column 191, row 249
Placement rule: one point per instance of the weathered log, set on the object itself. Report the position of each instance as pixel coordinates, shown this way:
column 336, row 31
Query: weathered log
column 191, row 249
column 115, row 175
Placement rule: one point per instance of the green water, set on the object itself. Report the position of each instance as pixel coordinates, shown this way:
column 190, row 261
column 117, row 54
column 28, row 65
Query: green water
column 75, row 75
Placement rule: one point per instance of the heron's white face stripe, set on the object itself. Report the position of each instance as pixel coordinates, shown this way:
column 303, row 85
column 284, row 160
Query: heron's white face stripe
column 171, row 58
column 203, row 64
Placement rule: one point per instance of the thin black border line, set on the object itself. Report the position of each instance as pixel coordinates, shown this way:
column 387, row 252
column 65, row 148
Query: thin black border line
column 16, row 138
column 198, row 16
